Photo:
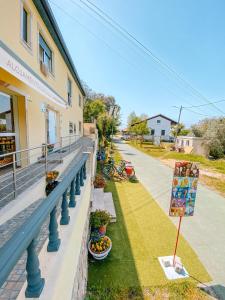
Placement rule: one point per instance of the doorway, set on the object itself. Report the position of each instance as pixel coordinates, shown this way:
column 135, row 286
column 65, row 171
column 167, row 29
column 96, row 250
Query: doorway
column 51, row 126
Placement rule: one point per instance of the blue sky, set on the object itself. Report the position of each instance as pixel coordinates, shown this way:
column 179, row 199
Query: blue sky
column 188, row 35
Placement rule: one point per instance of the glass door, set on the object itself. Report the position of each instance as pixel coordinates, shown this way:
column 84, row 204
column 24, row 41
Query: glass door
column 7, row 129
column 52, row 127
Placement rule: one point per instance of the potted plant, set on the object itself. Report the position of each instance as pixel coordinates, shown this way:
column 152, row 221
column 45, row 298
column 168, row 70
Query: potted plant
column 100, row 249
column 99, row 181
column 51, row 181
column 99, row 221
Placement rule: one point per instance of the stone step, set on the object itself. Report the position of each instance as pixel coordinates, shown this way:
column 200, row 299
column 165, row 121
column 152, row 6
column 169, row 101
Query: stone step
column 103, row 201
column 109, row 206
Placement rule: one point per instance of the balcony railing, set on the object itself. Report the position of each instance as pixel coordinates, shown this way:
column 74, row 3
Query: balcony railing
column 22, row 167
column 24, row 239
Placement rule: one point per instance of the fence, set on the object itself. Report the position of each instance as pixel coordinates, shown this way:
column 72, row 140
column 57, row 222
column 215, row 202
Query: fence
column 24, row 239
column 32, row 163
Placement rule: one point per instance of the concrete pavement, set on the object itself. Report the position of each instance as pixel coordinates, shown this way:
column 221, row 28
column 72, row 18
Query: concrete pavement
column 205, row 231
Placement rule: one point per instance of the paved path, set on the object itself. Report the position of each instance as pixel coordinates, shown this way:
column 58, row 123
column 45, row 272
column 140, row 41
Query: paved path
column 205, row 231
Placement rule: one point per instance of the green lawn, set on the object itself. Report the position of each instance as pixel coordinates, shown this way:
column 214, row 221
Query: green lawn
column 159, row 152
column 141, row 234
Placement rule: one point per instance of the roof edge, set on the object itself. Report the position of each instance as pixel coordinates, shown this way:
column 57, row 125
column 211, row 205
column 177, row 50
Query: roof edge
column 161, row 115
column 48, row 18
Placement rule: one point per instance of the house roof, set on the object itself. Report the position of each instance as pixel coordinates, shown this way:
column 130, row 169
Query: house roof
column 159, row 115
column 162, row 116
column 47, row 16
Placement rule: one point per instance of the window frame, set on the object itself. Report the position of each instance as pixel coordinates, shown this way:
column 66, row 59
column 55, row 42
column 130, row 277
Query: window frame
column 28, row 43
column 70, row 127
column 40, row 57
column 163, row 132
column 80, row 101
column 69, row 95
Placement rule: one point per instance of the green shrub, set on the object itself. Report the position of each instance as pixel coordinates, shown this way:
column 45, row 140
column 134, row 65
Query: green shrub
column 216, row 149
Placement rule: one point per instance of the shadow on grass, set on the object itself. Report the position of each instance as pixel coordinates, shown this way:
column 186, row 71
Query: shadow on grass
column 117, row 273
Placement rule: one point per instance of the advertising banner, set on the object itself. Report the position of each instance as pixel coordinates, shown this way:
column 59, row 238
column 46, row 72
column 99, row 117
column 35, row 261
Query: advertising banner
column 184, row 188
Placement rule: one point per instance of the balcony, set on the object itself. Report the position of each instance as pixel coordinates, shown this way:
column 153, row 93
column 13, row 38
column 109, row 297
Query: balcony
column 38, row 241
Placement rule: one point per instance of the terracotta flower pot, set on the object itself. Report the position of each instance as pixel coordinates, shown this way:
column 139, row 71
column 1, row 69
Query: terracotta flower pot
column 102, row 230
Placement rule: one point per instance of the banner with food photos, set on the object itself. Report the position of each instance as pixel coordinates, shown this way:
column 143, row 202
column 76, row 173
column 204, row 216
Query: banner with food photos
column 184, row 188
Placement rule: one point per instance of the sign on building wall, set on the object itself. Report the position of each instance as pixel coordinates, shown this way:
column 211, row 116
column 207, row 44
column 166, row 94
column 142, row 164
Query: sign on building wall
column 14, row 67
column 184, row 188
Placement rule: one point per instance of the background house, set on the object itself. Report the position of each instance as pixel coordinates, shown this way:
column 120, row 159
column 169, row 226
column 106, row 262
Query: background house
column 191, row 144
column 160, row 128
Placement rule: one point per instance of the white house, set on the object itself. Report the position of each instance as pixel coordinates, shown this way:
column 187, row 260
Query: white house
column 160, row 128
column 191, row 144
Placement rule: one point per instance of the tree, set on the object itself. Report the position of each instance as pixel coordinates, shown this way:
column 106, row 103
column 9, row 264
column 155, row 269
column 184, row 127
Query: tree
column 92, row 109
column 213, row 130
column 177, row 129
column 138, row 125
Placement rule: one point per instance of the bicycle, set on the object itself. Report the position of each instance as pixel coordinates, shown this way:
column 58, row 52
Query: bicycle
column 124, row 170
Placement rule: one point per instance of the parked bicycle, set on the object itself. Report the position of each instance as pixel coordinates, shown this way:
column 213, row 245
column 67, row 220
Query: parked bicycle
column 123, row 170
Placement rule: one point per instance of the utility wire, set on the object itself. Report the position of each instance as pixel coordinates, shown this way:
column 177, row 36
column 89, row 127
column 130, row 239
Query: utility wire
column 205, row 104
column 93, row 34
column 102, row 40
column 109, row 20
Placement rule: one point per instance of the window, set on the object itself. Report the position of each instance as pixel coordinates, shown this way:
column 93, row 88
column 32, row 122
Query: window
column 25, row 25
column 80, row 102
column 70, row 128
column 45, row 54
column 74, row 128
column 79, row 126
column 6, row 113
column 152, row 131
column 187, row 143
column 69, row 92
column 158, row 121
column 163, row 132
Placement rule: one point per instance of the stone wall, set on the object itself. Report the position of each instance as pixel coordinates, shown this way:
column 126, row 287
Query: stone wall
column 80, row 281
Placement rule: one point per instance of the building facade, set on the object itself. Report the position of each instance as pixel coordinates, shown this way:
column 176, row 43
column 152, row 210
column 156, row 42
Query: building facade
column 41, row 96
column 191, row 144
column 160, row 128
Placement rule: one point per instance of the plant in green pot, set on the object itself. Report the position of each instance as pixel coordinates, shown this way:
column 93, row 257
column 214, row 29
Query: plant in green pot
column 99, row 221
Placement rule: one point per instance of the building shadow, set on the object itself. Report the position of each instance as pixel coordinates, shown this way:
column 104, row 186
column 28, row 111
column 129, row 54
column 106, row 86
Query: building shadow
column 118, row 270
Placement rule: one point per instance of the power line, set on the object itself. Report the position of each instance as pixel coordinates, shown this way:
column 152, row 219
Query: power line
column 109, row 20
column 93, row 34
column 102, row 40
column 205, row 104
column 195, row 112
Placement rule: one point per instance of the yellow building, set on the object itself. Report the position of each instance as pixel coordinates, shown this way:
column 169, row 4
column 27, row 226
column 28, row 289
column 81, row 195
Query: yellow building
column 41, row 96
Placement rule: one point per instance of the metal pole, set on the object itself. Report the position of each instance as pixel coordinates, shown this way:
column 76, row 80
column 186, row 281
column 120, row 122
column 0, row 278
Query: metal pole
column 61, row 158
column 69, row 144
column 178, row 122
column 177, row 239
column 14, row 174
column 46, row 158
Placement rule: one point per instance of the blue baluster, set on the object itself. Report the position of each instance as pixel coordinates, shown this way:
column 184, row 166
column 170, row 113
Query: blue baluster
column 81, row 176
column 65, row 218
column 77, row 192
column 72, row 202
column 35, row 283
column 54, row 241
column 85, row 171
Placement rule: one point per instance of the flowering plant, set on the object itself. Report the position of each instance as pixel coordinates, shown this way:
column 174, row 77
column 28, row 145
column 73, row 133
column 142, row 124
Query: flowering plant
column 99, row 181
column 51, row 176
column 101, row 245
